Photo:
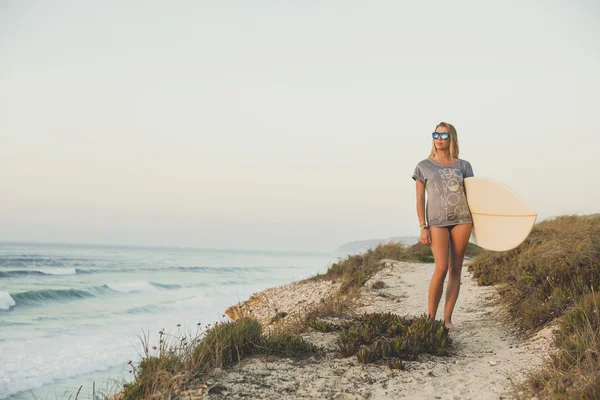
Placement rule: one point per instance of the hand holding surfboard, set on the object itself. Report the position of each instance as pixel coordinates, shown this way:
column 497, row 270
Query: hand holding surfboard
column 501, row 219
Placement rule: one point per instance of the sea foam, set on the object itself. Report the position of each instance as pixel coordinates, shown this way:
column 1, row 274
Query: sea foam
column 6, row 301
column 37, row 271
column 131, row 287
column 57, row 271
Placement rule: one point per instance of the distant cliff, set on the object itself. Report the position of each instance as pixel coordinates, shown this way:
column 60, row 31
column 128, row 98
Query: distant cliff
column 360, row 245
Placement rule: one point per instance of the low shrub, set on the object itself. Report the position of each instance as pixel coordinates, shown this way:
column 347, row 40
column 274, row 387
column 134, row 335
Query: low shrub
column 322, row 326
column 387, row 336
column 288, row 346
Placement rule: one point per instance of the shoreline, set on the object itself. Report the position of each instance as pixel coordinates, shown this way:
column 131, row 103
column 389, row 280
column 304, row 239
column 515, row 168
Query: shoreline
column 487, row 356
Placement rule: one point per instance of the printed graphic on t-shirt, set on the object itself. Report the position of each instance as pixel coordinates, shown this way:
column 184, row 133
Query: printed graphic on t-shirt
column 451, row 194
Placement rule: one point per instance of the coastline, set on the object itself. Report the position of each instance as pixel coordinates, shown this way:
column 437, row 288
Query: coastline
column 487, row 358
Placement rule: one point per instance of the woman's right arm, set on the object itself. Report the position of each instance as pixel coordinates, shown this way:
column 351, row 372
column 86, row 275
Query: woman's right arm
column 425, row 236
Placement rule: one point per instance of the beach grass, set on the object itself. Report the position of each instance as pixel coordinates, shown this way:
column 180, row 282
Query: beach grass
column 182, row 361
column 356, row 269
column 554, row 278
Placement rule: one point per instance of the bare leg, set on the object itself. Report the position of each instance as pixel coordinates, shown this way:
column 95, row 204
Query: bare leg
column 459, row 240
column 439, row 247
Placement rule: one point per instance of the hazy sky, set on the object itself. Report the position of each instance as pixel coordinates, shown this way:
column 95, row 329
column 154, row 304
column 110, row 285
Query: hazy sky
column 284, row 125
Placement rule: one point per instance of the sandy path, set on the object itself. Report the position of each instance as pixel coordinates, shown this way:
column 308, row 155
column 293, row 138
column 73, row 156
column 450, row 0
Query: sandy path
column 486, row 354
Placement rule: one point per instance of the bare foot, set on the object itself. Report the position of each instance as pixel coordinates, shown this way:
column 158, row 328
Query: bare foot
column 449, row 325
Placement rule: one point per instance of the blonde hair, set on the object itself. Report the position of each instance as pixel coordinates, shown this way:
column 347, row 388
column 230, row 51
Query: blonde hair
column 453, row 140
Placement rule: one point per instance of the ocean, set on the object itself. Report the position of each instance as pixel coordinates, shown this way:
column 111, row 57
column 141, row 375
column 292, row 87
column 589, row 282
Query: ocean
column 72, row 316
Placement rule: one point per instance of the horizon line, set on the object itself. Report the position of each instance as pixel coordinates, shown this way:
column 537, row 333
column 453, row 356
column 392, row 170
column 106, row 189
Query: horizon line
column 165, row 247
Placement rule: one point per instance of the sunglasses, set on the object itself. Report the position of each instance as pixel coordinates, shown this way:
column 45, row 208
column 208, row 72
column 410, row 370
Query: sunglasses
column 444, row 135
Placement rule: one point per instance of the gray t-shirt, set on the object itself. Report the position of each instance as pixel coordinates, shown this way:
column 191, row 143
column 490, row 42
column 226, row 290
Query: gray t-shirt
column 446, row 200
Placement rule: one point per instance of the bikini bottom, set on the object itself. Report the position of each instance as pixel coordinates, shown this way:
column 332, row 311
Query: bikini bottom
column 450, row 227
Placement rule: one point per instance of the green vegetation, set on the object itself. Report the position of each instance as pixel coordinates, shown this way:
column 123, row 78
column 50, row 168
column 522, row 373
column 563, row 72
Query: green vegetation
column 322, row 326
column 390, row 337
column 555, row 275
column 288, row 346
column 226, row 344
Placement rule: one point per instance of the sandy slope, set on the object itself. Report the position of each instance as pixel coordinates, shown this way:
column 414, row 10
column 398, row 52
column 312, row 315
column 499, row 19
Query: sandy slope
column 486, row 354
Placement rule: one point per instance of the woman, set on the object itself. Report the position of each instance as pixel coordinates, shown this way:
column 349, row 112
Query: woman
column 445, row 219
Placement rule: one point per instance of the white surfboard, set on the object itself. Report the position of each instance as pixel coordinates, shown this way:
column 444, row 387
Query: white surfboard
column 501, row 219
